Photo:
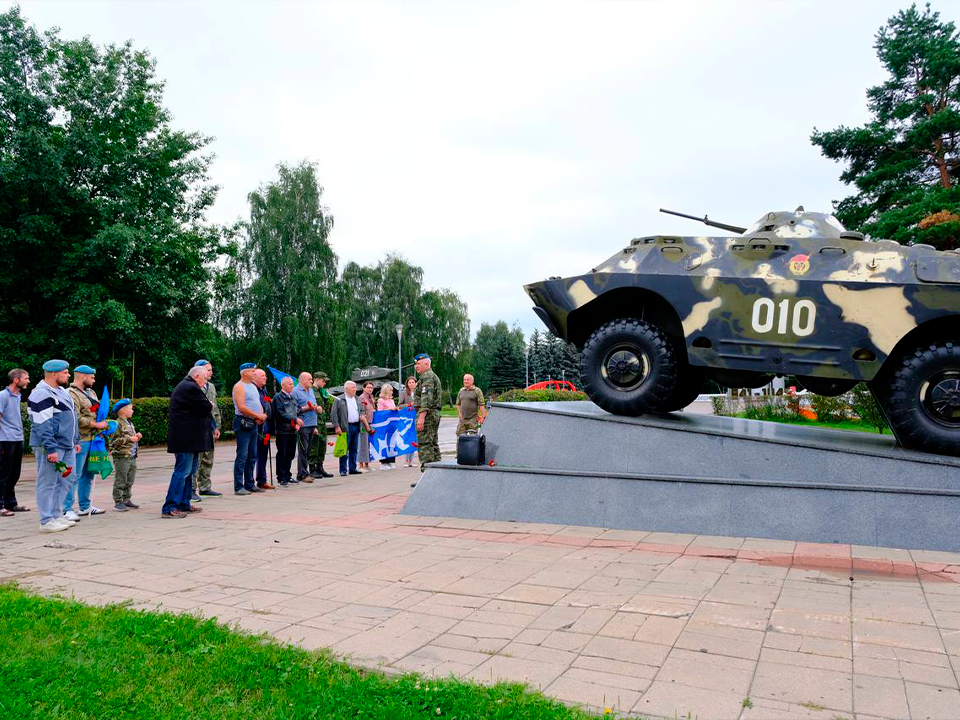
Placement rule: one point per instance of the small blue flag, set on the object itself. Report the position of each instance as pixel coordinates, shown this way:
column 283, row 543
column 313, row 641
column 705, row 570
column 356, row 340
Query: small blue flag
column 280, row 375
column 396, row 433
column 104, row 405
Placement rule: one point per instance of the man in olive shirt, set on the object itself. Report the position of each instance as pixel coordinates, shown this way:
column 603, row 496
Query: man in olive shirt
column 427, row 399
column 470, row 406
column 201, row 478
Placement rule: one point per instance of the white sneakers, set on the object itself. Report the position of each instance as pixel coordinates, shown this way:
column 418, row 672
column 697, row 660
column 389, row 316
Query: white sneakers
column 56, row 525
column 93, row 510
column 70, row 516
column 388, row 466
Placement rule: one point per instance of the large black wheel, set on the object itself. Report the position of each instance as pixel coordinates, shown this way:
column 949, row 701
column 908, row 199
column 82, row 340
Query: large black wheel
column 921, row 397
column 690, row 381
column 628, row 367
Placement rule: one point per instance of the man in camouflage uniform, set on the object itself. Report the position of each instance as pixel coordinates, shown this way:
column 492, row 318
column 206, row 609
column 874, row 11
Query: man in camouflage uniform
column 85, row 404
column 470, row 406
column 318, row 451
column 201, row 479
column 427, row 400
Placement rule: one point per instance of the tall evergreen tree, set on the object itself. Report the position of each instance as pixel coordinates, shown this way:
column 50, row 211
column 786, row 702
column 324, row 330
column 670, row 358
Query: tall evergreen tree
column 534, row 355
column 905, row 162
column 497, row 357
column 506, row 366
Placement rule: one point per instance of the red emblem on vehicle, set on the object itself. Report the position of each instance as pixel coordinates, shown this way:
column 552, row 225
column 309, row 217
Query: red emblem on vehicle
column 800, row 264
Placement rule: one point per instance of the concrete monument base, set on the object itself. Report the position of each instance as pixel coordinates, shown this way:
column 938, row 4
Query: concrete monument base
column 574, row 464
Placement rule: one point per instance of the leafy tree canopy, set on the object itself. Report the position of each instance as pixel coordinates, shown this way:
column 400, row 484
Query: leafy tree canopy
column 102, row 209
column 905, row 162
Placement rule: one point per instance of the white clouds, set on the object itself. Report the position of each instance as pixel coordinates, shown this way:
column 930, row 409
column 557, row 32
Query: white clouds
column 533, row 139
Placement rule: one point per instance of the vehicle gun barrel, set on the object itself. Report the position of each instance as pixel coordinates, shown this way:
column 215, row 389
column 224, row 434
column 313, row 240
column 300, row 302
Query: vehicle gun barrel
column 707, row 221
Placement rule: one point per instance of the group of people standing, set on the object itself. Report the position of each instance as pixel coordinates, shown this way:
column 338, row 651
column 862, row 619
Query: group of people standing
column 296, row 417
column 64, row 426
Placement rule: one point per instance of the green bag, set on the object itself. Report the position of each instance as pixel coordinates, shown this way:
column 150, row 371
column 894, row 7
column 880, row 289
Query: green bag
column 98, row 460
column 340, row 447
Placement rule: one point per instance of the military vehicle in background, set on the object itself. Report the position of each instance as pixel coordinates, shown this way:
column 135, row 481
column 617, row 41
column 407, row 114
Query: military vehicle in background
column 379, row 376
column 793, row 294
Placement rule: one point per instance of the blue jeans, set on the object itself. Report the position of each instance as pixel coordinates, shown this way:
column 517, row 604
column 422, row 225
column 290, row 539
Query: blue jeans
column 246, row 459
column 51, row 487
column 353, row 439
column 180, row 490
column 80, row 480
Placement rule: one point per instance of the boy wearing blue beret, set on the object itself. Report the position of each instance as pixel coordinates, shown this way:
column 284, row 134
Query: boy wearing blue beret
column 123, row 446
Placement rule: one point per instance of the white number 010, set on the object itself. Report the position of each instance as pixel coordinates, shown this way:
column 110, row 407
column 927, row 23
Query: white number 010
column 801, row 317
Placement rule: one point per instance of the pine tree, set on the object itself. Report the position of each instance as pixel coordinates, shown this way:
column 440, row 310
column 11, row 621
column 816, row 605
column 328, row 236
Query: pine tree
column 535, row 357
column 905, row 163
column 506, row 366
column 570, row 363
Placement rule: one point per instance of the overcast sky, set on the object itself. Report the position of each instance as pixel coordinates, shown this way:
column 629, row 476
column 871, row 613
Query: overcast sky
column 498, row 143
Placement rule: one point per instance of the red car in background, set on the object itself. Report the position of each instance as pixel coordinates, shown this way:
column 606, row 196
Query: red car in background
column 554, row 385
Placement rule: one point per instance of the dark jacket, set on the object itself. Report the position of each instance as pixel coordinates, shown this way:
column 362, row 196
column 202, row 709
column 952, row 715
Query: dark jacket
column 267, row 426
column 191, row 419
column 338, row 416
column 284, row 410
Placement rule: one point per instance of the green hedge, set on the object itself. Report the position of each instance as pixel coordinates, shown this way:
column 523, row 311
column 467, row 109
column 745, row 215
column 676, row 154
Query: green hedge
column 540, row 395
column 150, row 416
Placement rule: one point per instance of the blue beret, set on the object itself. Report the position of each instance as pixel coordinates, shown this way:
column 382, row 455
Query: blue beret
column 201, row 363
column 86, row 369
column 247, row 366
column 421, row 356
column 55, row 365
column 122, row 402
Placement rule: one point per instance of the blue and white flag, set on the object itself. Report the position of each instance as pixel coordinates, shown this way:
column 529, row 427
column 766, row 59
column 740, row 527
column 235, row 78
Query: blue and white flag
column 396, row 433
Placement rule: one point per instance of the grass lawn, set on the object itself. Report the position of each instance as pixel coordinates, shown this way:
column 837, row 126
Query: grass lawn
column 62, row 659
column 845, row 425
column 448, row 411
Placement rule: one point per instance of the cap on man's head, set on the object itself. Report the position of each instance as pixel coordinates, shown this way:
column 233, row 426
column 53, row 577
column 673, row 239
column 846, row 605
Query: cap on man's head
column 320, row 375
column 56, row 366
column 85, row 369
column 201, row 363
column 421, row 356
column 247, row 366
column 122, row 402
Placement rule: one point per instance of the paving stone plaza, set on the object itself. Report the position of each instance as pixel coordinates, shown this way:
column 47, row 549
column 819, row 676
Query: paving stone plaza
column 652, row 624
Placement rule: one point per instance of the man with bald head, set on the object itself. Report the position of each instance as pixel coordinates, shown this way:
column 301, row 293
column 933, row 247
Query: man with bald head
column 470, row 406
column 307, row 434
column 248, row 416
column 286, row 425
column 266, row 430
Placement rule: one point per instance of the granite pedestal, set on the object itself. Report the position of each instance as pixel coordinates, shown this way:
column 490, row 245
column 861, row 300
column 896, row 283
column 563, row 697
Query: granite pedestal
column 574, row 464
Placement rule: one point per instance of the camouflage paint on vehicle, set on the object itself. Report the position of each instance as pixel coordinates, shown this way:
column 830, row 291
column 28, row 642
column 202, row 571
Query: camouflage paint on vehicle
column 793, row 295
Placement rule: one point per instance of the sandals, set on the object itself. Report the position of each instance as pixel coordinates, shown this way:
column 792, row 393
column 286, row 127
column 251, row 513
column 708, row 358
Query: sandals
column 6, row 513
column 20, row 508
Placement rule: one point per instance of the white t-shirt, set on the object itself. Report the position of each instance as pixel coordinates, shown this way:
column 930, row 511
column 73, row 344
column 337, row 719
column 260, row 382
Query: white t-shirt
column 353, row 411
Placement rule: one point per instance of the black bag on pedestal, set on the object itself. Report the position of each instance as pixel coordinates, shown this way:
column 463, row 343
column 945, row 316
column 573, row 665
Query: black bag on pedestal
column 471, row 449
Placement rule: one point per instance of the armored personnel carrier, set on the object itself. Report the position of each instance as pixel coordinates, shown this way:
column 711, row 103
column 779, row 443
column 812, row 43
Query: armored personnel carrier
column 793, row 294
